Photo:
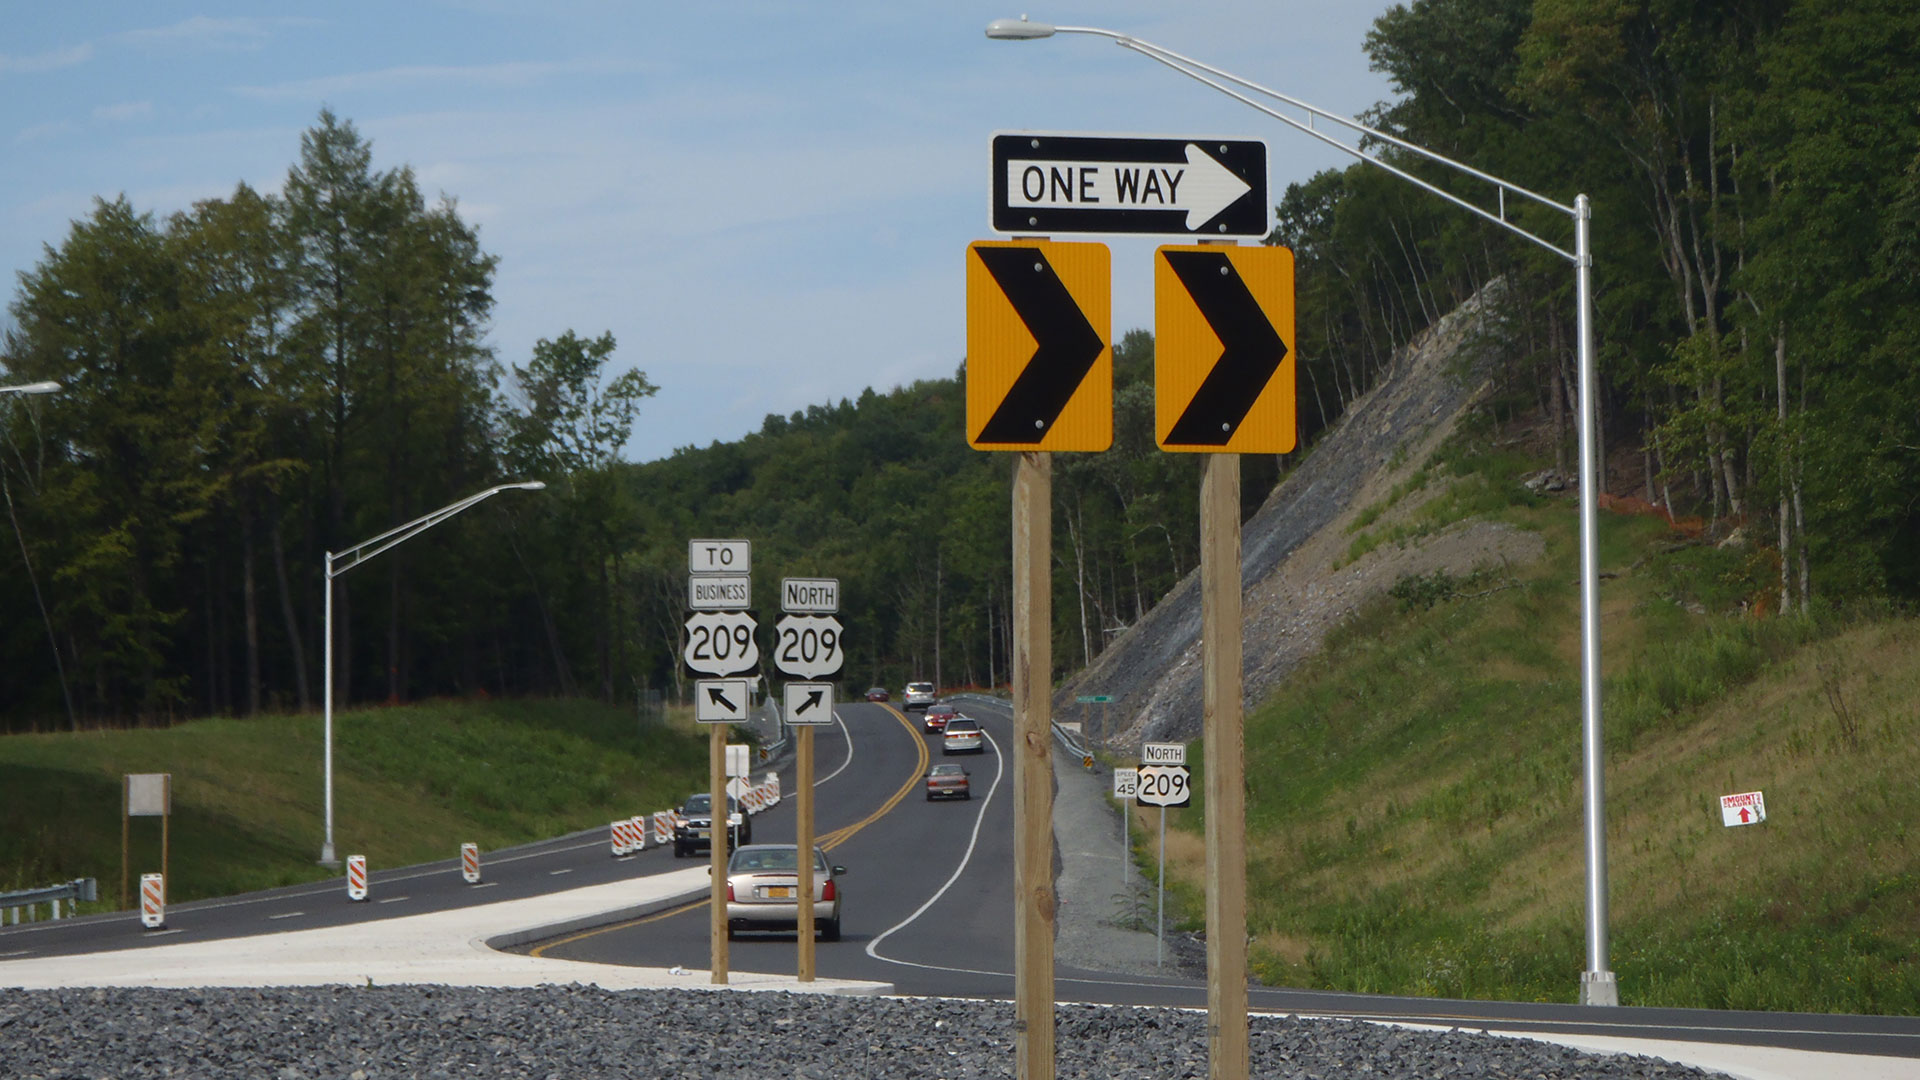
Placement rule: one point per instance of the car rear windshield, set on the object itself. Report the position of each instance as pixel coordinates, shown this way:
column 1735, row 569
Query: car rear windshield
column 962, row 724
column 749, row 859
column 920, row 687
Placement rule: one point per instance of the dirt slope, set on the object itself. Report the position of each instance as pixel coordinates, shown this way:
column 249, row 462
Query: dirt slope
column 1293, row 596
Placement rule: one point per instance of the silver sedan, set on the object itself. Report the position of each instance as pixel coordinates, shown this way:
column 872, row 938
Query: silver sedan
column 763, row 890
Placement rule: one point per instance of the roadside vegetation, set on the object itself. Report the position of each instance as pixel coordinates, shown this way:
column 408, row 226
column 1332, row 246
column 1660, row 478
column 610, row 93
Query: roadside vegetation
column 411, row 784
column 1414, row 800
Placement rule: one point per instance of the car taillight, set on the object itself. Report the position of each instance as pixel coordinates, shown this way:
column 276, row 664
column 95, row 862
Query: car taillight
column 826, row 891
column 729, row 892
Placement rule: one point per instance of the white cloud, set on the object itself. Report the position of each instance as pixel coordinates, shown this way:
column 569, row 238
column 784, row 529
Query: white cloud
column 513, row 73
column 123, row 112
column 46, row 61
column 204, row 32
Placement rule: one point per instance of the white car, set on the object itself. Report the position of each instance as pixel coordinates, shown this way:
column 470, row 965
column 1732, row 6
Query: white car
column 919, row 695
column 763, row 890
column 962, row 736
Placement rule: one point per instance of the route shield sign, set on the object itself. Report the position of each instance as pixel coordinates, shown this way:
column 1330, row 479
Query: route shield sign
column 1165, row 785
column 720, row 701
column 1039, row 346
column 720, row 643
column 1045, row 182
column 807, row 704
column 1223, row 350
column 808, row 646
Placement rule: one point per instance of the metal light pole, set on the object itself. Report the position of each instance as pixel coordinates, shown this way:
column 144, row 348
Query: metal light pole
column 1597, row 983
column 339, row 563
column 6, row 489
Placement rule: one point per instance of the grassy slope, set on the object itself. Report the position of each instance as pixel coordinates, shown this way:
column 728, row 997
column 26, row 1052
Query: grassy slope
column 410, row 785
column 1414, row 801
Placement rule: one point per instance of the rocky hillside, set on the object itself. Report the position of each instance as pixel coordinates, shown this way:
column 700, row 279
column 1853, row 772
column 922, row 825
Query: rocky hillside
column 1296, row 587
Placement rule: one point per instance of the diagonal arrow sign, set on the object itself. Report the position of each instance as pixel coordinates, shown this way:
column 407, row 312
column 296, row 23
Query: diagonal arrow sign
column 1066, row 345
column 814, row 697
column 1251, row 351
column 714, row 694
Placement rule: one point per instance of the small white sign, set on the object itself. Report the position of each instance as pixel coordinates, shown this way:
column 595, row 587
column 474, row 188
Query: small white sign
column 739, row 759
column 720, row 701
column 719, row 556
column 1126, row 783
column 808, row 646
column 1165, row 785
column 1746, row 808
column 719, row 592
column 148, row 794
column 810, row 595
column 1163, row 753
column 808, row 703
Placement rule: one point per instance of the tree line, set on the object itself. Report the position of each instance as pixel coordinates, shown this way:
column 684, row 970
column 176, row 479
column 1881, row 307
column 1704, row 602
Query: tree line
column 263, row 379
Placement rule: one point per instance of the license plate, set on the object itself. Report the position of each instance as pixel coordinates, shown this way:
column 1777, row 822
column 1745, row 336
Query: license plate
column 780, row 892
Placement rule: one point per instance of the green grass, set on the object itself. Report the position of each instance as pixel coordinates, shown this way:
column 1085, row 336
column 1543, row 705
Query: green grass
column 1414, row 803
column 411, row 784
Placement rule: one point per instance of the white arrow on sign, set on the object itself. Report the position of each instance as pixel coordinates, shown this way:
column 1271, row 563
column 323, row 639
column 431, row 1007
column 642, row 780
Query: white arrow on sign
column 720, row 643
column 1203, row 187
column 808, row 646
column 808, row 703
column 720, row 701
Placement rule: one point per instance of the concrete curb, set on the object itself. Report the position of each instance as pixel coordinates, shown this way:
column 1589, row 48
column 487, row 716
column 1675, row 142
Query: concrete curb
column 594, row 921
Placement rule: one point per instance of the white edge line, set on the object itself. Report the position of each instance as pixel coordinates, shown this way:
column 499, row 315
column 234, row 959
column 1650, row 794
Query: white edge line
column 999, row 771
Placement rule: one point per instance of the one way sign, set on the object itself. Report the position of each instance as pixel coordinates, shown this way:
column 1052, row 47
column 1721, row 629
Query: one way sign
column 1052, row 183
column 1223, row 349
column 1039, row 346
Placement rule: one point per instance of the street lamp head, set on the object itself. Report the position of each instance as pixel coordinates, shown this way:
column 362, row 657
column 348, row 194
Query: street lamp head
column 1018, row 29
column 31, row 388
column 529, row 485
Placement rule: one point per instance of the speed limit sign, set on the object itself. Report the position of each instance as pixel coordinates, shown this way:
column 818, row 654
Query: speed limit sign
column 1126, row 783
column 720, row 643
column 1165, row 785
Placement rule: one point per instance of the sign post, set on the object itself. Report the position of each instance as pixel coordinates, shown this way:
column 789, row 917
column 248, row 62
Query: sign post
column 807, row 645
column 720, row 642
column 144, row 795
column 1126, row 785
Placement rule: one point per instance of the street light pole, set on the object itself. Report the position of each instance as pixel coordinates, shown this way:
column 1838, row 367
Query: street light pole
column 338, row 563
column 6, row 489
column 1597, row 983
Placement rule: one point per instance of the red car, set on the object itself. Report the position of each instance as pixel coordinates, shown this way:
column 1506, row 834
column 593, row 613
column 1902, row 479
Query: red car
column 878, row 693
column 938, row 714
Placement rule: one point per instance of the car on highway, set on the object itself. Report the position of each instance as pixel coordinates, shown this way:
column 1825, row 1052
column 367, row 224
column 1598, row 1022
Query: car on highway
column 938, row 714
column 919, row 695
column 948, row 782
column 877, row 693
column 763, row 890
column 693, row 823
column 962, row 736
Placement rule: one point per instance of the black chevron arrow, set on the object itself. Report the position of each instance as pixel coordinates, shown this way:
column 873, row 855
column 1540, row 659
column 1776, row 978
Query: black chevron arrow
column 718, row 698
column 1251, row 351
column 1066, row 345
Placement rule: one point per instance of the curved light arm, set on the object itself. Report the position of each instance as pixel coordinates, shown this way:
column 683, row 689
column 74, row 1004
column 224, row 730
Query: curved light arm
column 1021, row 29
column 400, row 534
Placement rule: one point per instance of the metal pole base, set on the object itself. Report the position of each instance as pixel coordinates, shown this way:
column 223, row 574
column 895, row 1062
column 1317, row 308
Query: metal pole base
column 326, row 856
column 1599, row 988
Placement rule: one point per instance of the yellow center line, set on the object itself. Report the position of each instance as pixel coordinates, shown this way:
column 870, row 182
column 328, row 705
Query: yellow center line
column 828, row 842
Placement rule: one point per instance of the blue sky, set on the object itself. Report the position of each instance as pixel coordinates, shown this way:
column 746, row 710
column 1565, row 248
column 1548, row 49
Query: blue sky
column 768, row 204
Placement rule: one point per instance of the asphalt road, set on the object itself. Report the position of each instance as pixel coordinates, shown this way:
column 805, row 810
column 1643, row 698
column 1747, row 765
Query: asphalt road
column 928, row 908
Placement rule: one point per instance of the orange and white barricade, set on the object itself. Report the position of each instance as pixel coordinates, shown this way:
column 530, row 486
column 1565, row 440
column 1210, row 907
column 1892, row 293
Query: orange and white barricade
column 617, row 835
column 356, row 877
column 663, row 827
column 470, row 863
column 153, row 901
column 773, row 783
column 637, row 832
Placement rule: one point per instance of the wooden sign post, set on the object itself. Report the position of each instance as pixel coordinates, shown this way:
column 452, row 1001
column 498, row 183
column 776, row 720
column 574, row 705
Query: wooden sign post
column 1226, row 792
column 803, row 847
column 717, row 825
column 1033, row 905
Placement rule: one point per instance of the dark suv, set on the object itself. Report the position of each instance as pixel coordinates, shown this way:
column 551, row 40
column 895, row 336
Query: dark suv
column 692, row 832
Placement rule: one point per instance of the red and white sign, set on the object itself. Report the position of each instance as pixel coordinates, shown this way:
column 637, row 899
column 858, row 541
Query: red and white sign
column 1746, row 808
column 470, row 863
column 153, row 901
column 356, row 877
column 662, row 826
